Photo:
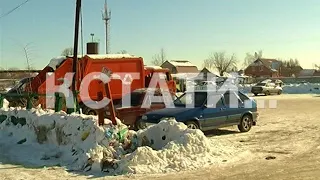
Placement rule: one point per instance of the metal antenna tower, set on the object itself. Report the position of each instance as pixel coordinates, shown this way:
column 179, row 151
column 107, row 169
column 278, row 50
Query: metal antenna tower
column 106, row 17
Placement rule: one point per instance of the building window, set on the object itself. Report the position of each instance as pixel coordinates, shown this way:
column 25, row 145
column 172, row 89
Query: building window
column 261, row 68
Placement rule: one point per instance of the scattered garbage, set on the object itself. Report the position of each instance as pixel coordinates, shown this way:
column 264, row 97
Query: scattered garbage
column 270, row 157
column 78, row 143
column 22, row 141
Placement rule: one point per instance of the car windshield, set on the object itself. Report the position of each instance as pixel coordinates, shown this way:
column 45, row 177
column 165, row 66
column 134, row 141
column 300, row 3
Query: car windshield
column 261, row 84
column 188, row 99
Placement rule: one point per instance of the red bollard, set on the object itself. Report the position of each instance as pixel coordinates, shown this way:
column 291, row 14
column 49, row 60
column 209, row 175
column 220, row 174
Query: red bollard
column 110, row 105
column 108, row 72
column 100, row 111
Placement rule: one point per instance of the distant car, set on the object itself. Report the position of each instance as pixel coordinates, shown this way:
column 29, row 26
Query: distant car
column 131, row 115
column 206, row 85
column 18, row 89
column 209, row 115
column 267, row 88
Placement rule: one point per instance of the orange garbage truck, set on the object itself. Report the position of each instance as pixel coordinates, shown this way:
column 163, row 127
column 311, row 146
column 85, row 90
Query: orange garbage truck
column 126, row 69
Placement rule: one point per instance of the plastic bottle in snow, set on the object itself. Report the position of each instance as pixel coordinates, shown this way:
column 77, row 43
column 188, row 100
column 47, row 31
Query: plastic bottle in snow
column 109, row 133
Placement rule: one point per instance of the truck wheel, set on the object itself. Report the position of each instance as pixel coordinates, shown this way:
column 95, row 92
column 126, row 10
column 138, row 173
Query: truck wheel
column 89, row 111
column 192, row 125
column 139, row 124
column 279, row 92
column 92, row 112
column 245, row 123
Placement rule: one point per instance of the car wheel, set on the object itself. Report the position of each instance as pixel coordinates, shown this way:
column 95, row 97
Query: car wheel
column 267, row 93
column 255, row 94
column 246, row 123
column 192, row 125
column 279, row 92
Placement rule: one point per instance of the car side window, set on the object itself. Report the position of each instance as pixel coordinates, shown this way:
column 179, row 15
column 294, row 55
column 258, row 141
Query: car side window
column 160, row 99
column 230, row 98
column 214, row 101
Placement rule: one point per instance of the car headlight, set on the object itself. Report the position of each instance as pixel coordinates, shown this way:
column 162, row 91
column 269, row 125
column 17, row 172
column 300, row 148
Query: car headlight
column 144, row 117
column 167, row 118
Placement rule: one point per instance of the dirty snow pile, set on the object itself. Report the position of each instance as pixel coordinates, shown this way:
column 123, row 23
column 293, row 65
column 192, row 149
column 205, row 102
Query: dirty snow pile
column 304, row 88
column 299, row 88
column 45, row 138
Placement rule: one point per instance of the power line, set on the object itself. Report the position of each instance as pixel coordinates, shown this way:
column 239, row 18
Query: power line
column 12, row 10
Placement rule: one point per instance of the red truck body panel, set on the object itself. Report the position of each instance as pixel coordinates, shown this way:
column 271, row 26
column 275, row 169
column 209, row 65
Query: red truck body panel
column 127, row 66
column 95, row 63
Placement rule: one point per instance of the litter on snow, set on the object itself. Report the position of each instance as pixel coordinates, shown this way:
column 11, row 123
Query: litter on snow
column 76, row 142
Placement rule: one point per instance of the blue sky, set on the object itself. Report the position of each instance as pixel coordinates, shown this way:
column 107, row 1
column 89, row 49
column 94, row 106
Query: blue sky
column 186, row 29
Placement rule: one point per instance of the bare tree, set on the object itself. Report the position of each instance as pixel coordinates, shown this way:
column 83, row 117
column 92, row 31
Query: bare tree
column 29, row 67
column 159, row 59
column 26, row 53
column 13, row 69
column 221, row 62
column 122, row 52
column 290, row 67
column 250, row 58
column 291, row 63
column 67, row 52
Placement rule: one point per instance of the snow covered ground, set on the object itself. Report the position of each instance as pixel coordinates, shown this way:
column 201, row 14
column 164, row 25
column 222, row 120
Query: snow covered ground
column 288, row 134
column 304, row 88
column 301, row 88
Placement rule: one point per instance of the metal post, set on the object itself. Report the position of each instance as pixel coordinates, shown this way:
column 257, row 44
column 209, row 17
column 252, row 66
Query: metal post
column 75, row 47
column 101, row 113
column 58, row 102
column 29, row 103
column 107, row 38
column 1, row 100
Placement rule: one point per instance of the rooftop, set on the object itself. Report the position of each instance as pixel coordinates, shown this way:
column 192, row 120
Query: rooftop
column 181, row 63
column 307, row 72
column 269, row 63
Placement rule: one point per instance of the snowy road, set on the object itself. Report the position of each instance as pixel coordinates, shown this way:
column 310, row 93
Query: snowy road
column 287, row 135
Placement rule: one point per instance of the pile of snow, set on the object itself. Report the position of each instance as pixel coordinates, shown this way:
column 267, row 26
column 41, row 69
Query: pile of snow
column 55, row 62
column 5, row 104
column 111, row 56
column 78, row 143
column 182, row 63
column 304, row 88
column 153, row 67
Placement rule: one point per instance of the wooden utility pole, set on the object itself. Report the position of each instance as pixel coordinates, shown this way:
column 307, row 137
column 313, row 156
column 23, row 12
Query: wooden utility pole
column 75, row 47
